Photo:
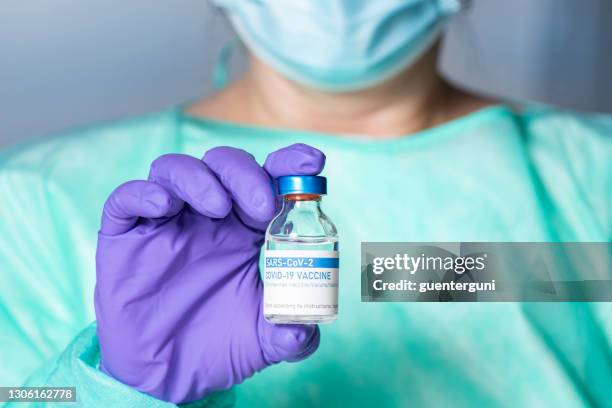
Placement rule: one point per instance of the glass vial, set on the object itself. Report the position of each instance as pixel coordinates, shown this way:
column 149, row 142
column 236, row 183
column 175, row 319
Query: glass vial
column 301, row 256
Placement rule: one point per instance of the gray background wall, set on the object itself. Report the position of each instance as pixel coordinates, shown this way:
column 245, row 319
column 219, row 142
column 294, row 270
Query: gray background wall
column 552, row 51
column 66, row 63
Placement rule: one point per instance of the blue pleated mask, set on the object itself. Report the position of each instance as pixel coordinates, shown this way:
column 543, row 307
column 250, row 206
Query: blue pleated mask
column 338, row 45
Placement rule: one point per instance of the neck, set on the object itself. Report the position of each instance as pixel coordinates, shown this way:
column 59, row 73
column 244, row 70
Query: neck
column 414, row 100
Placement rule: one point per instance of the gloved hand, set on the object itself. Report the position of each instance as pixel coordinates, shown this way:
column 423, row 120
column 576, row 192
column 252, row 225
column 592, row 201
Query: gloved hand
column 178, row 295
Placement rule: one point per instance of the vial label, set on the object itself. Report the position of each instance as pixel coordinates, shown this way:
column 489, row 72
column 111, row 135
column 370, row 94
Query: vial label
column 300, row 282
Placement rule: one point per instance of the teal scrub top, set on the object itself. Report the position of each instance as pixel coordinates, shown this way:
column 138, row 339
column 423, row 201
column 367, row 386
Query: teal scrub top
column 494, row 175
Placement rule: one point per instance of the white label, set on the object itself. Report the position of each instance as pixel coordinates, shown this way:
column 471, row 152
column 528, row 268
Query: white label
column 300, row 282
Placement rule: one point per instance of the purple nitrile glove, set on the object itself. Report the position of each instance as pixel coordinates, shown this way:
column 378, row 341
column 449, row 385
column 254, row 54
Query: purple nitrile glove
column 178, row 295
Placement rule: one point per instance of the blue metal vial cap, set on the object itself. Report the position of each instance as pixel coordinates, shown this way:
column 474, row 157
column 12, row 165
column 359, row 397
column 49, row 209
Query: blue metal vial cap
column 302, row 185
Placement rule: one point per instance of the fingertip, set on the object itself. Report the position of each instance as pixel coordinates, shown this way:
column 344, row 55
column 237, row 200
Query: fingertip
column 157, row 202
column 262, row 205
column 309, row 164
column 296, row 159
column 307, row 152
column 214, row 204
column 310, row 346
column 132, row 200
column 295, row 342
column 222, row 153
column 245, row 181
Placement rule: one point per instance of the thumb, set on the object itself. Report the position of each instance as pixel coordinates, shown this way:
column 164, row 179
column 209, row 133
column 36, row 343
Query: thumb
column 288, row 342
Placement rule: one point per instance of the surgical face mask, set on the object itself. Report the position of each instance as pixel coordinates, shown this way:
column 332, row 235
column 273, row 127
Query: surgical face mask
column 338, row 45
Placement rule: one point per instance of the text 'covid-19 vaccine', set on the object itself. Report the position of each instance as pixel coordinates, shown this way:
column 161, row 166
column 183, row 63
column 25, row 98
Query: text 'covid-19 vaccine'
column 301, row 256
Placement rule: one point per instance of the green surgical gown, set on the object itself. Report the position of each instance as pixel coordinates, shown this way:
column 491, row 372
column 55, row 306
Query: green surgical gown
column 494, row 175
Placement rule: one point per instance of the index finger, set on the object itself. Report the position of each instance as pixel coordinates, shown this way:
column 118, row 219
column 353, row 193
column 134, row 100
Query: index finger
column 298, row 159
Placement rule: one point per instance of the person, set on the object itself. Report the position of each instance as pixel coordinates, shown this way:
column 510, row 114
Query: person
column 345, row 87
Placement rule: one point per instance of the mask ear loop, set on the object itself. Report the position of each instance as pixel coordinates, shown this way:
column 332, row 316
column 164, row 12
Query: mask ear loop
column 464, row 5
column 221, row 72
column 470, row 36
column 450, row 7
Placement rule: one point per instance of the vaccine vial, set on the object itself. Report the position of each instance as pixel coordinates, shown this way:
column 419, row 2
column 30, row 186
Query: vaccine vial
column 301, row 256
